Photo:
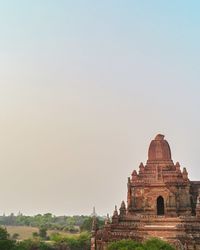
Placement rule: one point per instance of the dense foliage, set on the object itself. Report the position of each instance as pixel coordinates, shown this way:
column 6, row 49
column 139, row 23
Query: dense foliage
column 87, row 224
column 58, row 242
column 125, row 245
column 151, row 244
column 81, row 241
column 49, row 221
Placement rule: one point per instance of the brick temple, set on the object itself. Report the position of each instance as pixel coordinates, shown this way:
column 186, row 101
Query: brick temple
column 161, row 202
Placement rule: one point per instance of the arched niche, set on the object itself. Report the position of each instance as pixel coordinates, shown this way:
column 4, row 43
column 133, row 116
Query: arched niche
column 160, row 206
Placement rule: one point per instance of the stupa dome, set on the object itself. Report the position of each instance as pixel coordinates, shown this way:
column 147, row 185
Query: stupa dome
column 159, row 149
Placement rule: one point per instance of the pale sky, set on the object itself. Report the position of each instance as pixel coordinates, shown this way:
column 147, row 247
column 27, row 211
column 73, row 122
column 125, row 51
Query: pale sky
column 84, row 87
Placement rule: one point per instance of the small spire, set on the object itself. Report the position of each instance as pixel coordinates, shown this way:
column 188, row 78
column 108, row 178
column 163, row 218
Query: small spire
column 178, row 167
column 123, row 206
column 107, row 220
column 94, row 212
column 185, row 170
column 94, row 224
column 115, row 214
column 141, row 165
column 134, row 173
column 122, row 209
column 115, row 217
column 185, row 173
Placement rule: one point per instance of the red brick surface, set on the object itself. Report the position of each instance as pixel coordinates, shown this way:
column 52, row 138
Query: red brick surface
column 179, row 204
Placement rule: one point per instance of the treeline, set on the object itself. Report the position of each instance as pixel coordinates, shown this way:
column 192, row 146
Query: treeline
column 72, row 224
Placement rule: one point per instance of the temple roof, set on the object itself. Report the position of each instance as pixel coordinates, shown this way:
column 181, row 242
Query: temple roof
column 159, row 149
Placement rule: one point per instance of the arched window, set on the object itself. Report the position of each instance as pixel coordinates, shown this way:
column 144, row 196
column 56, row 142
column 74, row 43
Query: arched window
column 160, row 206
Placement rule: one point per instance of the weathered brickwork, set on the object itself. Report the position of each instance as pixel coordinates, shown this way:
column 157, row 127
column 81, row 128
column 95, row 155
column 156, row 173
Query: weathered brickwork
column 161, row 202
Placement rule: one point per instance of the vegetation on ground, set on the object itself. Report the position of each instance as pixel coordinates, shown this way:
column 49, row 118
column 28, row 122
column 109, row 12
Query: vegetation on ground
column 151, row 244
column 27, row 225
column 57, row 242
column 42, row 238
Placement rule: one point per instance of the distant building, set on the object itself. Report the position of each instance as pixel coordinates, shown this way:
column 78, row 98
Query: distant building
column 161, row 202
column 93, row 214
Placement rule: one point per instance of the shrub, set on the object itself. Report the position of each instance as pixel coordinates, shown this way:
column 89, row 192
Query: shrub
column 157, row 244
column 33, row 245
column 151, row 244
column 76, row 242
column 125, row 245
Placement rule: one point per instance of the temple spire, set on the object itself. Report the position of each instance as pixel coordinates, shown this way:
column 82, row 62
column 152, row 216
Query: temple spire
column 107, row 220
column 94, row 212
column 159, row 150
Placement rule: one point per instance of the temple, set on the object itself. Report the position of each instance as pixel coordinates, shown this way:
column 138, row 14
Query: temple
column 161, row 202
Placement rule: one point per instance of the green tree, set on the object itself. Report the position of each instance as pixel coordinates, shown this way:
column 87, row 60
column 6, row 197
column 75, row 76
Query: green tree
column 125, row 245
column 15, row 236
column 35, row 234
column 5, row 243
column 157, row 244
column 43, row 232
column 81, row 242
column 87, row 224
column 151, row 244
column 33, row 245
column 3, row 234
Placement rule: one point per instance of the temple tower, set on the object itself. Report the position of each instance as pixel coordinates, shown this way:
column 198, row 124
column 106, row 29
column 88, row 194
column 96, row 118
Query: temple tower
column 161, row 202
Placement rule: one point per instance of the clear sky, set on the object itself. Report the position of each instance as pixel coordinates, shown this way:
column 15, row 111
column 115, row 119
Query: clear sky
column 84, row 87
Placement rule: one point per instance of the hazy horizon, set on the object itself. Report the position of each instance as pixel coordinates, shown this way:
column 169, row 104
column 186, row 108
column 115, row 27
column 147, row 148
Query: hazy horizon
column 84, row 87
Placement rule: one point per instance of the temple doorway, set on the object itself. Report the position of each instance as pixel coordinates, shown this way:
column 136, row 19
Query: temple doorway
column 160, row 206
